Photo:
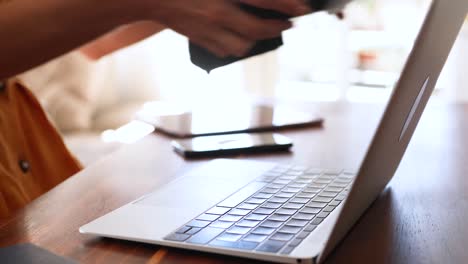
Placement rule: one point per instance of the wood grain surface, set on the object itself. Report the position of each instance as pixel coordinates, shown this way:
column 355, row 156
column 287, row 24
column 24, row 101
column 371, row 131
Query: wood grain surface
column 420, row 218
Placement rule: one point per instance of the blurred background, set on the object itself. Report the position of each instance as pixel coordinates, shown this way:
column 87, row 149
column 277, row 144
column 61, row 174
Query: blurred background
column 323, row 60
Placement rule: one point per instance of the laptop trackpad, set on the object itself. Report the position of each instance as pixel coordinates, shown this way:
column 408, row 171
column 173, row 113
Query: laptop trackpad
column 206, row 186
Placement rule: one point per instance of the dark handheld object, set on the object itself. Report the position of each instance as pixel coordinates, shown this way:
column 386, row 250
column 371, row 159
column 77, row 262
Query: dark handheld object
column 227, row 145
column 209, row 61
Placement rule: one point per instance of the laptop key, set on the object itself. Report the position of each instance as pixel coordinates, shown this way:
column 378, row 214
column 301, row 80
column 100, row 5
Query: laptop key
column 208, row 217
column 295, row 242
column 297, row 222
column 310, row 228
column 266, row 178
column 282, row 236
column 318, row 185
column 344, row 179
column 230, row 218
column 323, row 182
column 243, row 245
column 291, row 190
column 288, row 177
column 263, row 195
column 306, row 195
column 284, row 195
column 255, row 201
column 205, row 235
column 271, row 246
column 297, row 185
column 247, row 206
column 303, row 216
column 272, row 224
column 248, row 223
column 263, row 230
column 317, row 221
column 322, row 199
column 300, row 200
column 276, row 186
column 305, row 180
column 311, row 190
column 282, row 182
column 271, row 190
column 198, row 223
column 218, row 210
column 340, row 197
column 177, row 237
column 329, row 208
column 222, row 224
column 264, row 211
column 328, row 194
column 229, row 237
column 316, row 204
column 241, row 212
column 290, row 229
column 279, row 217
column 244, row 193
column 310, row 210
column 184, row 229
column 334, row 203
column 303, row 234
column 328, row 176
column 338, row 185
column 193, row 231
column 238, row 230
column 333, row 189
column 256, row 217
column 294, row 206
column 272, row 205
column 323, row 214
column 284, row 211
column 255, row 238
column 277, row 200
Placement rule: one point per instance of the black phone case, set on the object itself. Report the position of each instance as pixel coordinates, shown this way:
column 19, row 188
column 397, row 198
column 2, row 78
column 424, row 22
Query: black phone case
column 232, row 152
column 267, row 148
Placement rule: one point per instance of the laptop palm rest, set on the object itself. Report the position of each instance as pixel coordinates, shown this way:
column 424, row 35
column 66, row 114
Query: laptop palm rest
column 157, row 214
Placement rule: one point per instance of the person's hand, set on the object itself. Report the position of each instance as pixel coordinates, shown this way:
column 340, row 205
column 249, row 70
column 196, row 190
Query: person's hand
column 120, row 38
column 220, row 25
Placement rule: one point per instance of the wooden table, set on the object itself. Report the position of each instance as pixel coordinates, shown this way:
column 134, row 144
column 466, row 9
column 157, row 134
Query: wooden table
column 422, row 217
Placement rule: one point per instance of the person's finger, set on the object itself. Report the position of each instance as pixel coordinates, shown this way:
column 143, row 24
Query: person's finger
column 222, row 41
column 252, row 27
column 289, row 7
column 210, row 45
column 231, row 42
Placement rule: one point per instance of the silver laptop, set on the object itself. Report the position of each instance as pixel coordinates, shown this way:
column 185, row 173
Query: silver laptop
column 289, row 214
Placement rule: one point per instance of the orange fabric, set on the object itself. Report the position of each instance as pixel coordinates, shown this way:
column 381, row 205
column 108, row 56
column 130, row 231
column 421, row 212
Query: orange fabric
column 27, row 137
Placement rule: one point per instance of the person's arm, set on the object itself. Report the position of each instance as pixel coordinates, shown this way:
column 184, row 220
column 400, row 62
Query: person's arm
column 33, row 32
column 120, row 38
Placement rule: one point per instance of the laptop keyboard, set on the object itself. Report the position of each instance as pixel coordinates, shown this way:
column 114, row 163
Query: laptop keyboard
column 273, row 214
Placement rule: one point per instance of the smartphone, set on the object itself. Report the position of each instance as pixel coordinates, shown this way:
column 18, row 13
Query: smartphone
column 232, row 144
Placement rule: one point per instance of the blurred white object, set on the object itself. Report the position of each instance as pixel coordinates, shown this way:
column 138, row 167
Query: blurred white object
column 66, row 89
column 129, row 133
